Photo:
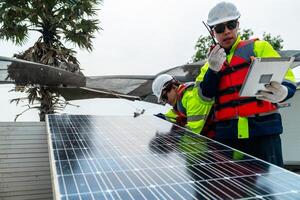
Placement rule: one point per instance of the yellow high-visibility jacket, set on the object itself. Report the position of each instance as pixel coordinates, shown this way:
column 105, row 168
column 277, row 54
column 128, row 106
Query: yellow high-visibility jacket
column 196, row 109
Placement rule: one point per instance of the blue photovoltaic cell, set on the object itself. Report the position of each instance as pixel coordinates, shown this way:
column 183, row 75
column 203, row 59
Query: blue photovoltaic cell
column 122, row 157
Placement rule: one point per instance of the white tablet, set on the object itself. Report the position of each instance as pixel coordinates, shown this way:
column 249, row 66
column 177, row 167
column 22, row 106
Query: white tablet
column 262, row 71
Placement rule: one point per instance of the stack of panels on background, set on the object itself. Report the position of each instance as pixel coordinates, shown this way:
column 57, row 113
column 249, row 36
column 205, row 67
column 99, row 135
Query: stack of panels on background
column 24, row 161
column 119, row 157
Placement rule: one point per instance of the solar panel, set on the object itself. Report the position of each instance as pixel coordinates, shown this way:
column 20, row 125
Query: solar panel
column 121, row 157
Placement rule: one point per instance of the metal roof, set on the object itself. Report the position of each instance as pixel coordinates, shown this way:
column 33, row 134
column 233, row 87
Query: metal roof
column 24, row 161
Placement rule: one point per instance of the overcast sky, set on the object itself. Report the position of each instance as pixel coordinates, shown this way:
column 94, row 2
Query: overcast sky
column 148, row 36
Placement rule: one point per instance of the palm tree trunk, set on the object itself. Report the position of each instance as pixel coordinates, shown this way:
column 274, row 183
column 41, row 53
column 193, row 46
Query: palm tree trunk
column 46, row 103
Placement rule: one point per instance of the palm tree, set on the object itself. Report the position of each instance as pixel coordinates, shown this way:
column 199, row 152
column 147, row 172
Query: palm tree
column 57, row 21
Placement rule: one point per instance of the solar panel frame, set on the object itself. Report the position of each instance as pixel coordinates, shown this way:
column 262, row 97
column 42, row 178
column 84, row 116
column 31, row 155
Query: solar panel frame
column 140, row 186
column 54, row 177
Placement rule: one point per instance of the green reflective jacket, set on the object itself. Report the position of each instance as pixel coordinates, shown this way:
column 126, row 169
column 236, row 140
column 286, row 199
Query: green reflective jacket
column 196, row 109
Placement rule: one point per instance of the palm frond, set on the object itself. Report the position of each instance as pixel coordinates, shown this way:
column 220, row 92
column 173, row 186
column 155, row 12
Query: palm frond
column 56, row 20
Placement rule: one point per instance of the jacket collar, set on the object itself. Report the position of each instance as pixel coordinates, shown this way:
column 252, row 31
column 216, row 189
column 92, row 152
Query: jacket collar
column 235, row 44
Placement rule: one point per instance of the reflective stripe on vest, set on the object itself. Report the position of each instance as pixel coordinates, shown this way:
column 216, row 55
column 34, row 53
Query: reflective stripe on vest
column 196, row 118
column 228, row 102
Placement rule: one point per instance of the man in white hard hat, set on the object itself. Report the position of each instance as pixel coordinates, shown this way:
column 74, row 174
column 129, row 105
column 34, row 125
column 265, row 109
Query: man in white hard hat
column 250, row 124
column 189, row 109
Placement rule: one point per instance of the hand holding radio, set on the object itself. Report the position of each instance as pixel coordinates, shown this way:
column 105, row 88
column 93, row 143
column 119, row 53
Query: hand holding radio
column 216, row 58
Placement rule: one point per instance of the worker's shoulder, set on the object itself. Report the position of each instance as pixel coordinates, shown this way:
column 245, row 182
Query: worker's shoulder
column 192, row 96
column 189, row 93
column 203, row 70
column 261, row 44
column 205, row 66
column 263, row 48
column 259, row 41
column 189, row 90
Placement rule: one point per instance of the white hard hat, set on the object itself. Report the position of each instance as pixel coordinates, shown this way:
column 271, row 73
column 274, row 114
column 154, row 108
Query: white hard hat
column 222, row 12
column 160, row 83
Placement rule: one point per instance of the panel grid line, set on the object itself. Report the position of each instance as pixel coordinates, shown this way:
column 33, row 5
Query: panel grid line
column 89, row 158
column 88, row 186
column 135, row 172
column 112, row 185
column 146, row 158
column 133, row 165
column 156, row 174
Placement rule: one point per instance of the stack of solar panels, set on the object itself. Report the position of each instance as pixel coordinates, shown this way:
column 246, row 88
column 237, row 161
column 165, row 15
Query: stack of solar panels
column 24, row 161
column 95, row 157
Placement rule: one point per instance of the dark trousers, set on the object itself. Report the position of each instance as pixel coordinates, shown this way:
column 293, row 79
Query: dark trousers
column 267, row 148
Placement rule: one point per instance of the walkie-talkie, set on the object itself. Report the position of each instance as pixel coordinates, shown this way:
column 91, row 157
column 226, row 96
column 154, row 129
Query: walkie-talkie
column 212, row 37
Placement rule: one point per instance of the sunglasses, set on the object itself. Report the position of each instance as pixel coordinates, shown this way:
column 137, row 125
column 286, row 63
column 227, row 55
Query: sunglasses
column 164, row 93
column 220, row 28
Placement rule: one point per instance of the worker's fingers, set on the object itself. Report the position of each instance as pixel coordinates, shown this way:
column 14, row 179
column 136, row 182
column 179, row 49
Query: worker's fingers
column 265, row 94
column 275, row 84
column 215, row 49
column 263, row 98
column 221, row 52
column 272, row 89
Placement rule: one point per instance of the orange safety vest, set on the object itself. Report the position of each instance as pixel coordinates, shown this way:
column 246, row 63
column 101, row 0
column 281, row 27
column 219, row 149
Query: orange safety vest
column 229, row 104
column 208, row 129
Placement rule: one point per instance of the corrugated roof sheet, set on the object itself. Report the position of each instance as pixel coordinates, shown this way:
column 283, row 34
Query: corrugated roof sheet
column 24, row 161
